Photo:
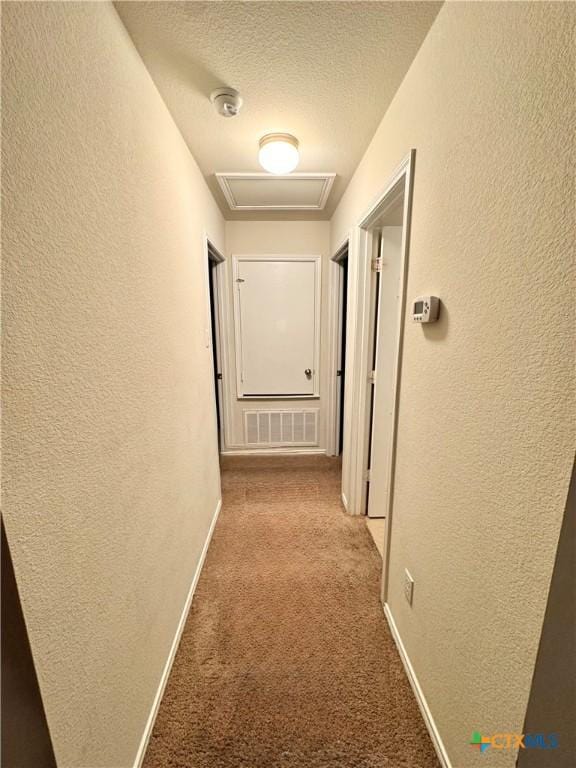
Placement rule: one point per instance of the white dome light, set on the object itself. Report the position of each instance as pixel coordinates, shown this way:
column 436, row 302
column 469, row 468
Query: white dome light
column 278, row 153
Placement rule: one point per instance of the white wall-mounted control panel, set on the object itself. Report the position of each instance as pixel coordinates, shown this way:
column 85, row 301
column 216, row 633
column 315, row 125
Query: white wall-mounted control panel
column 425, row 309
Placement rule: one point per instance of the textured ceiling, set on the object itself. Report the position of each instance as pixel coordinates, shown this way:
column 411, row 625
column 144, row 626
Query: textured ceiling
column 324, row 71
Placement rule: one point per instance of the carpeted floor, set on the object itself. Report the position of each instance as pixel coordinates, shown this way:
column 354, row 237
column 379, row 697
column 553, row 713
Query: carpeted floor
column 286, row 659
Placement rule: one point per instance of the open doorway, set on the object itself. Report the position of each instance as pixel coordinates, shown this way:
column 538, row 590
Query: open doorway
column 385, row 320
column 385, row 241
column 341, row 259
column 376, row 313
column 214, row 259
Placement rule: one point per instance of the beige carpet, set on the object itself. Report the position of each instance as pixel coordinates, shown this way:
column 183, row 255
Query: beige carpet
column 286, row 659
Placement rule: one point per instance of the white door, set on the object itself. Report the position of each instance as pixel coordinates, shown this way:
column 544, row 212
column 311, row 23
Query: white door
column 386, row 353
column 277, row 315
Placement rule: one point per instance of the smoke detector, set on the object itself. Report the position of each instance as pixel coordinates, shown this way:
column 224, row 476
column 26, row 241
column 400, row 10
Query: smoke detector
column 227, row 101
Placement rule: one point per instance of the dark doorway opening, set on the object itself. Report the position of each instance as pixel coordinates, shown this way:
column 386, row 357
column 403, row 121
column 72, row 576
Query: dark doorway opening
column 342, row 352
column 217, row 374
column 214, row 286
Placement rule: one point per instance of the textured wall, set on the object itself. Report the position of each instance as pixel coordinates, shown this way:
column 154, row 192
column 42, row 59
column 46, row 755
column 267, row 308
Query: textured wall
column 289, row 237
column 486, row 427
column 111, row 470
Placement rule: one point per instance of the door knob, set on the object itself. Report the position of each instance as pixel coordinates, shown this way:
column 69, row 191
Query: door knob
column 308, row 372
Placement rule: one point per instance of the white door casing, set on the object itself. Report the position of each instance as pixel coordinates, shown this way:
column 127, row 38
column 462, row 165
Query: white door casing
column 337, row 332
column 358, row 337
column 339, row 357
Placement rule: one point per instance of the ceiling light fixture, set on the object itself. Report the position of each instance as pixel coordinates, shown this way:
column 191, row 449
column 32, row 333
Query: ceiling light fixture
column 278, row 153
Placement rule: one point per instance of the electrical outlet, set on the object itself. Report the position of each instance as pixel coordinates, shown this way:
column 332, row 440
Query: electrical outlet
column 408, row 586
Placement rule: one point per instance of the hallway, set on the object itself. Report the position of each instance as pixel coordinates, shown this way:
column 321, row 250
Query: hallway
column 286, row 659
column 288, row 384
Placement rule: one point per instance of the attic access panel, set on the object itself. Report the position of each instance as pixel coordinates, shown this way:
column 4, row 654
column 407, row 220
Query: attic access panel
column 267, row 192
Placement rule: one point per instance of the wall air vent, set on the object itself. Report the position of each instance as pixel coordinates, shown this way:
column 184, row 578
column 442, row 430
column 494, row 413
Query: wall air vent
column 268, row 192
column 281, row 427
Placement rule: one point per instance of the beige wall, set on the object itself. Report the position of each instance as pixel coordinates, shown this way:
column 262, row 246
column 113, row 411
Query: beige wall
column 486, row 431
column 110, row 470
column 286, row 237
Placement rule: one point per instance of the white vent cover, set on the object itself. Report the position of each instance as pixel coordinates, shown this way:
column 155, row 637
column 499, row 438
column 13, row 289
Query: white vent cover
column 268, row 192
column 281, row 427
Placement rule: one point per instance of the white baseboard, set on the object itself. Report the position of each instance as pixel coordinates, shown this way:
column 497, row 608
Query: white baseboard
column 418, row 693
column 274, row 452
column 351, row 512
column 171, row 655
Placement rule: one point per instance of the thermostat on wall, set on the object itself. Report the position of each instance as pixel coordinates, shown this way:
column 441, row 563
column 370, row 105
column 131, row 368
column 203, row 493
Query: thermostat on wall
column 425, row 309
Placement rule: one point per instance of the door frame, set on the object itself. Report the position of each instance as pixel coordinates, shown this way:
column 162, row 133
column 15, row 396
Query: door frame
column 360, row 337
column 316, row 259
column 335, row 310
column 219, row 355
column 374, row 384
